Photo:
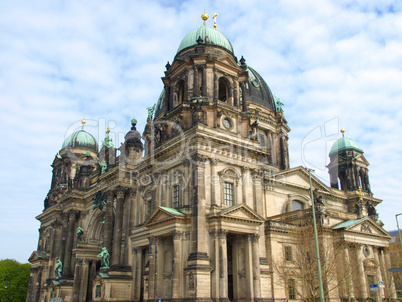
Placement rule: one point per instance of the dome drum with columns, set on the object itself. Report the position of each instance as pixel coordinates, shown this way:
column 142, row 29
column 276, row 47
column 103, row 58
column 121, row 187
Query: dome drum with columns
column 204, row 206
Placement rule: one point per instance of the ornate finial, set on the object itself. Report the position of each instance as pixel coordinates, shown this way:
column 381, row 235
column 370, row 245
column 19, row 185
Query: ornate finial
column 107, row 131
column 343, row 132
column 360, row 194
column 83, row 122
column 214, row 17
column 204, row 17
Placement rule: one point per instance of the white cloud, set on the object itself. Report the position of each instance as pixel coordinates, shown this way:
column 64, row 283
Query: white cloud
column 61, row 61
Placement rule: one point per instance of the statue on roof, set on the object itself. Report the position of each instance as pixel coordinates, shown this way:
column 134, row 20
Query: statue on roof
column 278, row 104
column 99, row 201
column 105, row 257
column 103, row 165
column 150, row 112
column 58, row 268
column 80, row 235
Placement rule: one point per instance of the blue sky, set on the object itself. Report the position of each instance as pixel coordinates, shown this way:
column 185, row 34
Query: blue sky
column 334, row 64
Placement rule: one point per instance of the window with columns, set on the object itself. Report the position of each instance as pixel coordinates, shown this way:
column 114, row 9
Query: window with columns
column 228, row 194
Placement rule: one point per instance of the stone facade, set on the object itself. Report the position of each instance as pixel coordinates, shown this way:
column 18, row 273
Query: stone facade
column 201, row 205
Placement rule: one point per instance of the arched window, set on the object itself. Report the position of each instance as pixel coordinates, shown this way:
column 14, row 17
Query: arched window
column 178, row 95
column 294, row 205
column 223, row 93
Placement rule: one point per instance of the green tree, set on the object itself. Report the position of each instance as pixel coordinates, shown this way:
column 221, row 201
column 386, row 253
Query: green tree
column 16, row 276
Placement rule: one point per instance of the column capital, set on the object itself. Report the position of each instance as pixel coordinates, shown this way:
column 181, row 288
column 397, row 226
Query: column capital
column 222, row 234
column 120, row 191
column 186, row 163
column 199, row 160
column 176, row 235
column 213, row 233
column 213, row 161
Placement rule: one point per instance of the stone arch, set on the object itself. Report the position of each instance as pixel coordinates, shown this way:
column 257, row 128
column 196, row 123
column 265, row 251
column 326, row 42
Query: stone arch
column 93, row 230
column 295, row 200
column 179, row 93
column 224, row 90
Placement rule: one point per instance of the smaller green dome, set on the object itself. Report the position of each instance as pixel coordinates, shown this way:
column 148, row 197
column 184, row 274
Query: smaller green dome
column 81, row 139
column 343, row 144
column 214, row 38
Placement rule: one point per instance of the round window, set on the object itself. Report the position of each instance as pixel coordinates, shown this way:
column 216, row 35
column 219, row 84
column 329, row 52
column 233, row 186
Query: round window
column 227, row 123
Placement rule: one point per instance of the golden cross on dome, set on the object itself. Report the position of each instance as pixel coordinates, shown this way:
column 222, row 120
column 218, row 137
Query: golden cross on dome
column 83, row 122
column 360, row 193
column 214, row 17
column 343, row 132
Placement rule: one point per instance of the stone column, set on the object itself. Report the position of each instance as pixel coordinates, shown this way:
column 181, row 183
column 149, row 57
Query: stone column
column 63, row 237
column 69, row 243
column 198, row 238
column 256, row 266
column 391, row 284
column 177, row 269
column 77, row 280
column 257, row 190
column 187, row 184
column 349, row 284
column 245, row 185
column 249, row 266
column 243, row 88
column 107, row 235
column 198, row 260
column 216, row 85
column 212, row 181
column 223, row 264
column 362, row 277
column 215, row 264
column 138, row 276
column 118, row 224
column 236, row 92
column 204, row 80
column 152, row 267
column 84, row 280
column 195, row 82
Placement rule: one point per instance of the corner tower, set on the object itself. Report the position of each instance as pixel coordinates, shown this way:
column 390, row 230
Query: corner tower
column 348, row 167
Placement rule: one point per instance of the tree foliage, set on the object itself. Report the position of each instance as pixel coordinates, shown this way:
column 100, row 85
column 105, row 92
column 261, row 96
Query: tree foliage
column 299, row 271
column 16, row 276
column 395, row 251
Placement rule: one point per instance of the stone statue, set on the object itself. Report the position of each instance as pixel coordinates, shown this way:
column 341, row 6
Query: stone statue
column 99, row 201
column 150, row 112
column 371, row 211
column 58, row 269
column 278, row 104
column 317, row 198
column 105, row 257
column 103, row 165
column 80, row 235
column 254, row 129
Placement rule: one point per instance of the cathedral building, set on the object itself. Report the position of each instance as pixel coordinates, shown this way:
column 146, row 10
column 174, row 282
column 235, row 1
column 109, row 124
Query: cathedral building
column 203, row 205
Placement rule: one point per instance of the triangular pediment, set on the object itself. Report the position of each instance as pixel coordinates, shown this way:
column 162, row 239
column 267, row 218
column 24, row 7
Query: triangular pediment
column 163, row 215
column 299, row 177
column 364, row 225
column 37, row 256
column 240, row 212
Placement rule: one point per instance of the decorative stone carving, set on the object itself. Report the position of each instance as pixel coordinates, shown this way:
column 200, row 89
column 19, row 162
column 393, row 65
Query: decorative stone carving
column 176, row 235
column 366, row 228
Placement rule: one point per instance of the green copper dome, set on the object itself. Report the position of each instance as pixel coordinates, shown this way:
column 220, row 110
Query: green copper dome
column 343, row 144
column 81, row 139
column 214, row 37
